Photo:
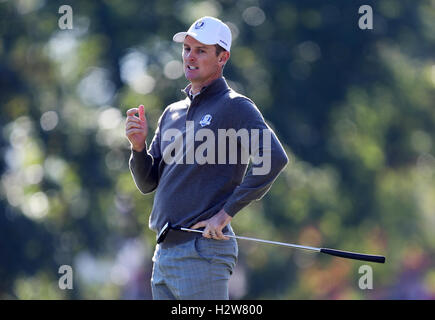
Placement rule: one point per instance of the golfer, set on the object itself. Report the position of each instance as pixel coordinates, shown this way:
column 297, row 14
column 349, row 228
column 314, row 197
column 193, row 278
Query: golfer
column 194, row 193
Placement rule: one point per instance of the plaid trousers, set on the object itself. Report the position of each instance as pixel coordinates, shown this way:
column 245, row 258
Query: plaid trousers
column 198, row 269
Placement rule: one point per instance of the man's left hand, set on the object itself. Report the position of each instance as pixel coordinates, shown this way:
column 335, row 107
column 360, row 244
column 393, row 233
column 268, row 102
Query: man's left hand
column 214, row 226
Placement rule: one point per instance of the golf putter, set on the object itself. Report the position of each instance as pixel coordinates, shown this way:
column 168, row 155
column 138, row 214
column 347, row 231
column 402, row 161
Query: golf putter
column 338, row 253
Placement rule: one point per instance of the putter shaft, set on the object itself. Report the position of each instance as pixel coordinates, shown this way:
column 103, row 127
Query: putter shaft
column 333, row 252
column 261, row 240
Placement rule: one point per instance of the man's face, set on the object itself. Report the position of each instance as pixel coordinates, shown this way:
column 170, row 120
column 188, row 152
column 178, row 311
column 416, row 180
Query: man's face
column 200, row 61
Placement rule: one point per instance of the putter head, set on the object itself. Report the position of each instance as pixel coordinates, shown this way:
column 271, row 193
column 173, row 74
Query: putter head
column 164, row 232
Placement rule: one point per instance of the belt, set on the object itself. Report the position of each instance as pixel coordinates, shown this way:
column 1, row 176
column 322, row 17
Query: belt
column 176, row 237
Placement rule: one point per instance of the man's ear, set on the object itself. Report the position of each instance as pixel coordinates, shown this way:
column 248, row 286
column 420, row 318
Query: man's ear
column 224, row 57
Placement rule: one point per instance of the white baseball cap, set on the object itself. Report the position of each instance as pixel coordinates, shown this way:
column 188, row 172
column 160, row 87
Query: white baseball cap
column 208, row 30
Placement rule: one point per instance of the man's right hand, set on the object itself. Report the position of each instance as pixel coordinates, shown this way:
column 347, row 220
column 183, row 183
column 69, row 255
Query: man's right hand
column 136, row 128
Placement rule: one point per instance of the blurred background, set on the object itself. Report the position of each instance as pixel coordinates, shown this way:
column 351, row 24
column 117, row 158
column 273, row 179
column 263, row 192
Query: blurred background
column 354, row 108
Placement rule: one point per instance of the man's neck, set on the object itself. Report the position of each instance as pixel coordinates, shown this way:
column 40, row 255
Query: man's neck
column 192, row 95
column 196, row 87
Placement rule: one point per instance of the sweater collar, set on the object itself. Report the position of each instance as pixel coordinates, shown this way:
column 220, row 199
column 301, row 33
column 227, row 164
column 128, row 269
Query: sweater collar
column 216, row 86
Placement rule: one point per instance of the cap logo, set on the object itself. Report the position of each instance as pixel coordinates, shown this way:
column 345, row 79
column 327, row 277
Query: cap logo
column 199, row 24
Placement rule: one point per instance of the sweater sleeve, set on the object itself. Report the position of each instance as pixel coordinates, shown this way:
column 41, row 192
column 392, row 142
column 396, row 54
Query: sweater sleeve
column 267, row 157
column 144, row 166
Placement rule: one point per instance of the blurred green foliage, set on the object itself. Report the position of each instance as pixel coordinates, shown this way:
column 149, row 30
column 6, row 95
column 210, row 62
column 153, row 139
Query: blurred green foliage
column 354, row 108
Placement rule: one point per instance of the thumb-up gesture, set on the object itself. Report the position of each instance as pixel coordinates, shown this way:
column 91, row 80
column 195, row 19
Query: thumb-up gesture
column 136, row 128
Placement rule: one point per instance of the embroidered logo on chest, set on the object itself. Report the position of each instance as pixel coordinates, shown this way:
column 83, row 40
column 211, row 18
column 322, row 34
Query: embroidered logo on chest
column 206, row 120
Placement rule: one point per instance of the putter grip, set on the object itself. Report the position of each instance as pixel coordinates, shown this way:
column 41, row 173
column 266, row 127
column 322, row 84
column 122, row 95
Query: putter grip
column 353, row 255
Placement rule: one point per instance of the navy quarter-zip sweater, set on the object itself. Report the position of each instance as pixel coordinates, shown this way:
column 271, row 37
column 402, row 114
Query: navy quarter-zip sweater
column 187, row 192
